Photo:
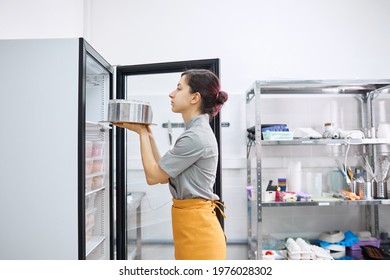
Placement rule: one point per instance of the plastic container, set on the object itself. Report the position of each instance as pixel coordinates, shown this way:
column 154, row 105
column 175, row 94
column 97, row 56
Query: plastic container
column 269, row 196
column 282, row 184
column 97, row 166
column 278, row 135
column 88, row 184
column 88, row 148
column 383, row 130
column 88, row 166
column 89, row 233
column 97, row 149
column 90, row 202
column 90, row 218
column 97, row 182
column 268, row 255
column 374, row 242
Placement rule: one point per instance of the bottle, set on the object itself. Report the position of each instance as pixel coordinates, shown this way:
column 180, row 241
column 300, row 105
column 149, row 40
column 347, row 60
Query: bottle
column 294, row 178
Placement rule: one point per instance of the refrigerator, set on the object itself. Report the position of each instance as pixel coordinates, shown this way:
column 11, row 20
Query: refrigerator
column 66, row 188
column 56, row 169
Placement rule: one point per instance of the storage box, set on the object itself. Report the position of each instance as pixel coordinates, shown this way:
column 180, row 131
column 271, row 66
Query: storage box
column 88, row 184
column 97, row 149
column 278, row 135
column 88, row 166
column 97, row 166
column 88, row 148
column 269, row 196
column 89, row 233
column 90, row 218
column 90, row 202
column 97, row 182
column 374, row 242
column 285, row 196
column 356, row 252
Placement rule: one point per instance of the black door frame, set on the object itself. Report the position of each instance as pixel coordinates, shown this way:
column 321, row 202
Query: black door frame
column 121, row 195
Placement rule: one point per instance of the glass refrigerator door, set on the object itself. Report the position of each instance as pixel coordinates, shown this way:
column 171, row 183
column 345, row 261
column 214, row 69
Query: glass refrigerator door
column 96, row 162
column 153, row 218
column 144, row 212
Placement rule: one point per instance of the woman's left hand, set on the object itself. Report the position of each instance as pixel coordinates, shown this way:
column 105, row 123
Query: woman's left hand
column 136, row 127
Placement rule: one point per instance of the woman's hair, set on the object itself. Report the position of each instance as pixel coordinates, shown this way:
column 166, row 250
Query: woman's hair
column 207, row 84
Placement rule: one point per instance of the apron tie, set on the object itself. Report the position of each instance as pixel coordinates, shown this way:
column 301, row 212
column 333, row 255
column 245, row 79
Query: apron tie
column 216, row 204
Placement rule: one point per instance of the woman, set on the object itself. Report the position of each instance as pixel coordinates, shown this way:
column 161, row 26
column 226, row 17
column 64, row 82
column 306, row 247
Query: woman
column 190, row 167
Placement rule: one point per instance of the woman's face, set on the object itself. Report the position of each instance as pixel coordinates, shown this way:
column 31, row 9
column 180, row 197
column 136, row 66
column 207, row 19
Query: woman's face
column 181, row 97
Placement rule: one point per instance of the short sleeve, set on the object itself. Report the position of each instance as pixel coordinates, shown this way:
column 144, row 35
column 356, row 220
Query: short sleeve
column 187, row 150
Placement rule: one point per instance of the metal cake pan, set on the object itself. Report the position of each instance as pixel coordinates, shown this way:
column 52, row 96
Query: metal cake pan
column 131, row 111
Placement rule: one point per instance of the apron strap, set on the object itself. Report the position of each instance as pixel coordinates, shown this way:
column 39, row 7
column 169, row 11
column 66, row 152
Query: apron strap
column 216, row 204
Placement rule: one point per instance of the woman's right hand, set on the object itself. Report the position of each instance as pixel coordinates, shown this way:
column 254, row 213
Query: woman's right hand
column 149, row 131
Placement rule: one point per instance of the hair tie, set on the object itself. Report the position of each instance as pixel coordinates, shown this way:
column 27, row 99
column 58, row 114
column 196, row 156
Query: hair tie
column 217, row 95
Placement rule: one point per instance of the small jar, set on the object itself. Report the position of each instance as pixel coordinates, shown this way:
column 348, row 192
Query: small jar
column 330, row 130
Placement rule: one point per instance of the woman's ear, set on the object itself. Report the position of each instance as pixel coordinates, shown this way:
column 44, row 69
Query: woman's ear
column 195, row 97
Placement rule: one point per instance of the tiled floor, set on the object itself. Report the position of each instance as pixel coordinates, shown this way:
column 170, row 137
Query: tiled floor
column 166, row 252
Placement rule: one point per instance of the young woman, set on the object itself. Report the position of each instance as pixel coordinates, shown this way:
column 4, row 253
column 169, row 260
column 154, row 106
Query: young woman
column 190, row 167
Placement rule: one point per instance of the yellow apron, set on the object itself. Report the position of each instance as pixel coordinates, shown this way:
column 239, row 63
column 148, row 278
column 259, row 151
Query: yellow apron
column 197, row 233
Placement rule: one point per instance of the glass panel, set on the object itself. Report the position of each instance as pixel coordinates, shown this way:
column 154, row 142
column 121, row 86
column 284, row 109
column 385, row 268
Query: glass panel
column 97, row 91
column 154, row 227
column 97, row 162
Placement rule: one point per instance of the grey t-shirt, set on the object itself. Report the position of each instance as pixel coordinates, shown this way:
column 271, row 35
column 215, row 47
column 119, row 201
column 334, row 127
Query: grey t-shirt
column 192, row 162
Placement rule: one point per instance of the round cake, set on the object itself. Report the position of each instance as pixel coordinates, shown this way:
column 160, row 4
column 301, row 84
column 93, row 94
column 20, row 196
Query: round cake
column 132, row 111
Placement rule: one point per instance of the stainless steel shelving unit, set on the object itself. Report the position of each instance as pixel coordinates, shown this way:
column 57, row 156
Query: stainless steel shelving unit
column 365, row 91
column 328, row 203
column 334, row 142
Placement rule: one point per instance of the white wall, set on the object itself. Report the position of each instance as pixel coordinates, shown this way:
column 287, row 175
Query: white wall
column 41, row 19
column 255, row 39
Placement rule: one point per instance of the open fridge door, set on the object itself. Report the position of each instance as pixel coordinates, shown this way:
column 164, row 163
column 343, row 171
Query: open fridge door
column 98, row 184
